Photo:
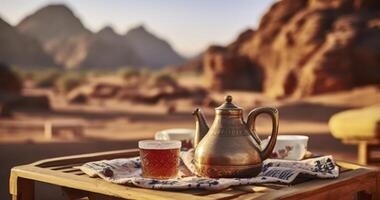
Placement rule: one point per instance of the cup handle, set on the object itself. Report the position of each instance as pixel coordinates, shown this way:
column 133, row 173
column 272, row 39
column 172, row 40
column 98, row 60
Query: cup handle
column 273, row 113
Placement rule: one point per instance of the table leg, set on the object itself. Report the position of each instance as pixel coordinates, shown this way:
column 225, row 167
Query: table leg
column 48, row 132
column 363, row 153
column 24, row 189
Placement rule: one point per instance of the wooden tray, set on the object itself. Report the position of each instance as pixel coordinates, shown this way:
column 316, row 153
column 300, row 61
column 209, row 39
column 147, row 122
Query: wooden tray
column 354, row 182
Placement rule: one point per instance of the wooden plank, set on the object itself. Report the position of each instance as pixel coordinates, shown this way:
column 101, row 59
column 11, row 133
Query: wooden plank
column 71, row 170
column 65, row 166
column 312, row 188
column 96, row 185
column 83, row 158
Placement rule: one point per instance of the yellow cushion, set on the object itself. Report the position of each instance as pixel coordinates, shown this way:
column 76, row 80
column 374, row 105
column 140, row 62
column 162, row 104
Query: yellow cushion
column 356, row 124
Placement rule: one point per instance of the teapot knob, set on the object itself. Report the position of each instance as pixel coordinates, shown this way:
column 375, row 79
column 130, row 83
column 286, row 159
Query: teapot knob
column 228, row 98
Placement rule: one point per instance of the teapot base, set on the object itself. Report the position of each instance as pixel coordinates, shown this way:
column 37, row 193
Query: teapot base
column 225, row 171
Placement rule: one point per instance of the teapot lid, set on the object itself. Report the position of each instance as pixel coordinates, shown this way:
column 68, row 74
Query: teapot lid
column 228, row 105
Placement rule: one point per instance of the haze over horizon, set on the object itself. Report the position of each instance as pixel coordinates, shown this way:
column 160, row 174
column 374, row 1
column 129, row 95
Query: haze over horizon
column 190, row 27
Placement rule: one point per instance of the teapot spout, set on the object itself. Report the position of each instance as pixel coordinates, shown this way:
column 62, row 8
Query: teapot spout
column 201, row 127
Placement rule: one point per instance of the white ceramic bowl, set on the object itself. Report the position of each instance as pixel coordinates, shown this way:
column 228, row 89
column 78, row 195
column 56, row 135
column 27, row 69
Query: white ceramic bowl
column 289, row 147
column 182, row 134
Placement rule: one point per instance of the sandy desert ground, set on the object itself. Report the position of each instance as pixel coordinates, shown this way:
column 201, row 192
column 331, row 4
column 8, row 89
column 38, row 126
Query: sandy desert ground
column 111, row 125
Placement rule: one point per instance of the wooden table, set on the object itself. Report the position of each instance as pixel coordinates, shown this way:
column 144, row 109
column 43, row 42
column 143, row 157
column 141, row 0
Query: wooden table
column 354, row 182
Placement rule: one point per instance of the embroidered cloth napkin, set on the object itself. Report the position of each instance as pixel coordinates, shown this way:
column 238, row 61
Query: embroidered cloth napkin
column 128, row 171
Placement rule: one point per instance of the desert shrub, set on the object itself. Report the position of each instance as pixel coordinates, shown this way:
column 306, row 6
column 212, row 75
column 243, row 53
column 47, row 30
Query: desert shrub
column 96, row 73
column 68, row 82
column 23, row 74
column 45, row 79
column 129, row 73
column 165, row 79
column 28, row 75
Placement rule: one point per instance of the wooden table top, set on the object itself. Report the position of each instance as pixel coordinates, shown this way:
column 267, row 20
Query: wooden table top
column 60, row 171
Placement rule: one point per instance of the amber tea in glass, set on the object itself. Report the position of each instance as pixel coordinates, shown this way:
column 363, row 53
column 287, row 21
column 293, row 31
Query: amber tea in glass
column 159, row 158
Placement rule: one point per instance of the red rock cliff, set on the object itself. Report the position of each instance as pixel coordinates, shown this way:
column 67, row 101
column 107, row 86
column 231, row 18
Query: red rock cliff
column 306, row 47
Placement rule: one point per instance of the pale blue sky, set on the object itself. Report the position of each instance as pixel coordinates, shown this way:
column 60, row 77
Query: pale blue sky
column 189, row 25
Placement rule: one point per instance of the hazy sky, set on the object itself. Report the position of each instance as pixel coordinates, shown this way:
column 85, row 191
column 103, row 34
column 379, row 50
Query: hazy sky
column 189, row 25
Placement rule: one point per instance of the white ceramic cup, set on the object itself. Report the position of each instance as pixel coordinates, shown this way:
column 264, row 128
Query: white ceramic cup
column 289, row 147
column 184, row 135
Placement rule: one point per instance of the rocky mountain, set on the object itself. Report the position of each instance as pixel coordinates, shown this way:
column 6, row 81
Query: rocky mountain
column 153, row 51
column 51, row 24
column 63, row 36
column 61, row 33
column 17, row 48
column 106, row 49
column 226, row 69
column 306, row 47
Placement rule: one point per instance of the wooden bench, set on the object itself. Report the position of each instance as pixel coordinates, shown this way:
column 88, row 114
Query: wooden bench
column 49, row 128
column 359, row 127
column 354, row 182
column 53, row 128
column 368, row 150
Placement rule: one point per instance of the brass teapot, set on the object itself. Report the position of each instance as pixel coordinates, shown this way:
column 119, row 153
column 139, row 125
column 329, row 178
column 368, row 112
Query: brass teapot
column 230, row 147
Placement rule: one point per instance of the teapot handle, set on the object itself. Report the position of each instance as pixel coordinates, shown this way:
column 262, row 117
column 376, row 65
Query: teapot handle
column 273, row 113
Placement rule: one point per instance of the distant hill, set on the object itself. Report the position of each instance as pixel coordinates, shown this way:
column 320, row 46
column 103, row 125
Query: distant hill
column 17, row 48
column 63, row 36
column 51, row 24
column 108, row 49
column 61, row 33
column 154, row 52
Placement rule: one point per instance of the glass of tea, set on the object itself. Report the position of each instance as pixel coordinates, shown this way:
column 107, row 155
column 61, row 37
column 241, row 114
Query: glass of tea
column 159, row 158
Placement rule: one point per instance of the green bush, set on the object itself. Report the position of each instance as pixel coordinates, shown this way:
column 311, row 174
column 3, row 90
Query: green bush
column 24, row 74
column 129, row 73
column 165, row 79
column 68, row 82
column 45, row 79
column 28, row 75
